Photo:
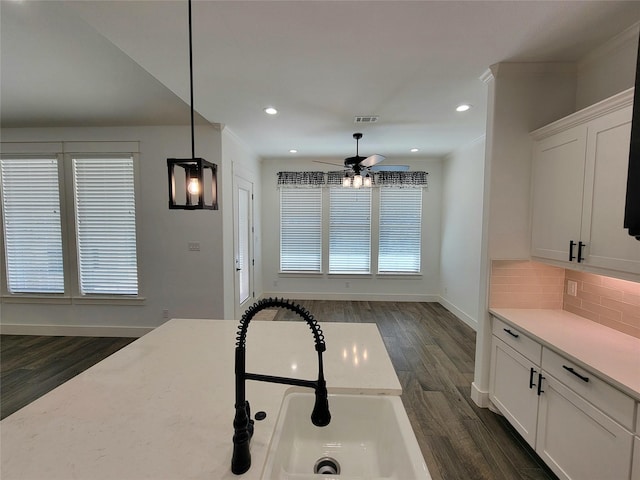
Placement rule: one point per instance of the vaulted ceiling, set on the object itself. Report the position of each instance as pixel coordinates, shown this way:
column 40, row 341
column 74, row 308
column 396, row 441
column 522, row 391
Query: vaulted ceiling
column 320, row 63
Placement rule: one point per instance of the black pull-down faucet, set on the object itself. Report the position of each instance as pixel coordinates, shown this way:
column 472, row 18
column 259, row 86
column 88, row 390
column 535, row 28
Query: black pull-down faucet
column 242, row 423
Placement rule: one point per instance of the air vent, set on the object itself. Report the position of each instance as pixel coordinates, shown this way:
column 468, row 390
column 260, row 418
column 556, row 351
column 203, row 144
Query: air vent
column 365, row 119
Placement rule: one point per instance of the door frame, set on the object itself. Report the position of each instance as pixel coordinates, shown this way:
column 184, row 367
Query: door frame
column 240, row 183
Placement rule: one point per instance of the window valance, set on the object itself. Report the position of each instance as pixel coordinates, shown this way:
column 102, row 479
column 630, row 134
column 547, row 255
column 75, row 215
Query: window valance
column 334, row 178
column 401, row 179
column 301, row 179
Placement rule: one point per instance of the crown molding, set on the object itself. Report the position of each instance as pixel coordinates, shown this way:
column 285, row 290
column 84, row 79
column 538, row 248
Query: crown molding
column 616, row 102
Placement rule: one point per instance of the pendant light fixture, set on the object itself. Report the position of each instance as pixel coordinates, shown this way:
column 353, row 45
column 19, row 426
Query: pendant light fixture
column 192, row 181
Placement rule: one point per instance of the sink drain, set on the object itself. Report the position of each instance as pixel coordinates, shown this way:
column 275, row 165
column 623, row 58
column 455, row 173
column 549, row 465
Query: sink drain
column 327, row 466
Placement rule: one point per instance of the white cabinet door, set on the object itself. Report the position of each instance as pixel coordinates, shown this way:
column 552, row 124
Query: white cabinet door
column 558, row 175
column 576, row 440
column 635, row 468
column 608, row 245
column 512, row 388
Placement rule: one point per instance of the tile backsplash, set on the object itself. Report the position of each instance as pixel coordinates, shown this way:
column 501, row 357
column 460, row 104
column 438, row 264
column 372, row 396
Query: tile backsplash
column 609, row 301
column 526, row 284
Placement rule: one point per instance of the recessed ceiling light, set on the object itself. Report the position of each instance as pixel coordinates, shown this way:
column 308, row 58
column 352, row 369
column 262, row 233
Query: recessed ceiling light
column 463, row 107
column 270, row 111
column 414, row 150
column 293, row 150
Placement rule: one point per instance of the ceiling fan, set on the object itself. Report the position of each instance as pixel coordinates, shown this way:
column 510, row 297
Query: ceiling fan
column 358, row 163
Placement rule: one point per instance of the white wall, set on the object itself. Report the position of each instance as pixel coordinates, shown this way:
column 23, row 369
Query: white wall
column 188, row 284
column 462, row 200
column 333, row 287
column 609, row 69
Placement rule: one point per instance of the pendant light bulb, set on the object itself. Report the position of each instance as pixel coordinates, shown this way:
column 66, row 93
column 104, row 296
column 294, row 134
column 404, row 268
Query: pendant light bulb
column 366, row 181
column 346, row 182
column 357, row 181
column 194, row 186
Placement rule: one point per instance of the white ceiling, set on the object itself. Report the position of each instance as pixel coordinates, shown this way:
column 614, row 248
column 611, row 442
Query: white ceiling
column 319, row 62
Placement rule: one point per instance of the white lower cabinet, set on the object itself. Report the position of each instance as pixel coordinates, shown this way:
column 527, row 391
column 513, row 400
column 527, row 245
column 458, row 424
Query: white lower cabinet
column 578, row 424
column 577, row 440
column 513, row 389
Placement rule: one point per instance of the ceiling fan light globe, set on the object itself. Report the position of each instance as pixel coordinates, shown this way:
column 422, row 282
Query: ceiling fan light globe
column 357, row 181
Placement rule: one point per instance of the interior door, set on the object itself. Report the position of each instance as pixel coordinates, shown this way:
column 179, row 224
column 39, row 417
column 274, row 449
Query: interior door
column 243, row 244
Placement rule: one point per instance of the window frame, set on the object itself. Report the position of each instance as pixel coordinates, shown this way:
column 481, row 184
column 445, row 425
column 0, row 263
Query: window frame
column 374, row 240
column 369, row 233
column 64, row 152
column 421, row 234
column 38, row 296
column 322, row 233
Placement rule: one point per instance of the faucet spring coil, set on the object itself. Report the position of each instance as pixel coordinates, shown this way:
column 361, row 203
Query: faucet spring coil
column 279, row 303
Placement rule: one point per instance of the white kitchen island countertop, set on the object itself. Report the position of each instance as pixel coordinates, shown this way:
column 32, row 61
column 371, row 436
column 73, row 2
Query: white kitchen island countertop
column 613, row 355
column 163, row 407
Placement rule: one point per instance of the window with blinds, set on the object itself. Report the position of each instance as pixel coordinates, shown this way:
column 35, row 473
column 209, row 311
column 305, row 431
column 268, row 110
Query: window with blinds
column 300, row 229
column 349, row 230
column 32, row 225
column 105, row 225
column 400, row 230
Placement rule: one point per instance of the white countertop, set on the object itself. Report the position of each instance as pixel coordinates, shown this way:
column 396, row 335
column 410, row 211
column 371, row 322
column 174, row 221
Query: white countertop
column 163, row 407
column 612, row 355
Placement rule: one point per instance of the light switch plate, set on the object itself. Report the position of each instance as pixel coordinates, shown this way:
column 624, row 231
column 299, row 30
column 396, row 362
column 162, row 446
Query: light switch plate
column 194, row 246
column 572, row 288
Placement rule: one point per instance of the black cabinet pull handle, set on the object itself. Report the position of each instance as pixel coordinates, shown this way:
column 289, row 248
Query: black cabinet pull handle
column 580, row 247
column 540, row 378
column 571, row 245
column 532, row 372
column 581, row 377
column 514, row 335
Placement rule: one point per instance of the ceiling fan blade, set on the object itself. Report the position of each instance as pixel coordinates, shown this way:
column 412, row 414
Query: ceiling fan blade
column 329, row 163
column 372, row 160
column 390, row 168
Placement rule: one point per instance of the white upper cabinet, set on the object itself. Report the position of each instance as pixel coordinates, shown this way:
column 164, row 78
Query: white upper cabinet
column 558, row 179
column 579, row 179
column 608, row 244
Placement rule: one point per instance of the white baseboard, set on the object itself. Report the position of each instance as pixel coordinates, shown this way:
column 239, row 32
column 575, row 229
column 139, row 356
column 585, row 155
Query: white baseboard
column 481, row 398
column 363, row 297
column 73, row 330
column 458, row 313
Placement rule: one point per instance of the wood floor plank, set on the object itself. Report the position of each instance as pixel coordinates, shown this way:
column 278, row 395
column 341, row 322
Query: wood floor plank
column 35, row 365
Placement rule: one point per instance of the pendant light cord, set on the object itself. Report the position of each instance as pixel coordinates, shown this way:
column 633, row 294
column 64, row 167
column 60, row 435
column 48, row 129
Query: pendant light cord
column 193, row 142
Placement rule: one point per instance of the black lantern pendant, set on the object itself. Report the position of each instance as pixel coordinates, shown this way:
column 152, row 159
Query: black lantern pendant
column 196, row 180
column 193, row 185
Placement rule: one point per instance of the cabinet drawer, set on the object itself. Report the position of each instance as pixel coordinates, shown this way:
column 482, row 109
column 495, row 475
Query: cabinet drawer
column 610, row 400
column 517, row 340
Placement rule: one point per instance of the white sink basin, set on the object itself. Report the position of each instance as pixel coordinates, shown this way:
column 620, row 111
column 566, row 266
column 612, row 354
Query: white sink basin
column 369, row 436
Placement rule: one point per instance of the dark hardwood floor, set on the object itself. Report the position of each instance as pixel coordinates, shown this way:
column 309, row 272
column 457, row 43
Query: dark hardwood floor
column 431, row 350
column 31, row 366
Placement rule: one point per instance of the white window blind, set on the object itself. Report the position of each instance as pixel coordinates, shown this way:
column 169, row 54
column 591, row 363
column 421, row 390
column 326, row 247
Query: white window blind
column 300, row 229
column 106, row 225
column 400, row 230
column 32, row 227
column 350, row 230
